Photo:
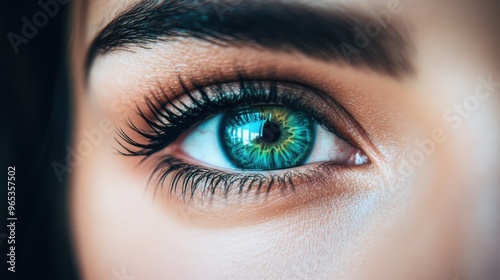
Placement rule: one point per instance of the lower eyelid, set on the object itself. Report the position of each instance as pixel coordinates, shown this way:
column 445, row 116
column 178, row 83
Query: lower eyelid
column 189, row 179
column 311, row 183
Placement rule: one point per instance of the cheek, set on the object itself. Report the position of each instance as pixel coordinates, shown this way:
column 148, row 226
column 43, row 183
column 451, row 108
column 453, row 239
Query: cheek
column 115, row 224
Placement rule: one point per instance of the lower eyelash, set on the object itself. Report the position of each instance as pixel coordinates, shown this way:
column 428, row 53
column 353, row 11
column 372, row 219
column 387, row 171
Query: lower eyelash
column 188, row 179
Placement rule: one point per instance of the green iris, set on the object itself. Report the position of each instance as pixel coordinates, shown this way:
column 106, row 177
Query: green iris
column 266, row 137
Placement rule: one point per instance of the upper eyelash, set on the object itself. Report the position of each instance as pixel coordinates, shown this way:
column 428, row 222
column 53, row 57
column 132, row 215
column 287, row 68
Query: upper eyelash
column 168, row 118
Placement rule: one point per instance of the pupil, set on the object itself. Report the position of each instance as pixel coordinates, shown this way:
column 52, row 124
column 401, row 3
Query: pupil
column 270, row 132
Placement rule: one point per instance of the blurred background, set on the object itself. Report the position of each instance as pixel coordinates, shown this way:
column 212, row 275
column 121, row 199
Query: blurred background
column 34, row 121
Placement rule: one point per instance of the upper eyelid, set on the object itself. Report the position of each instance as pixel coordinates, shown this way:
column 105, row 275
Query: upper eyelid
column 345, row 127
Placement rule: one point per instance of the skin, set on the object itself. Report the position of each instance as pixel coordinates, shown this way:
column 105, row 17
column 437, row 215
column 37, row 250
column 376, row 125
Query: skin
column 368, row 222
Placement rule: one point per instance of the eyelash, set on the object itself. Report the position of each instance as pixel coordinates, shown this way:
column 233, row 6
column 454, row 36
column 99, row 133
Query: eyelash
column 192, row 177
column 169, row 118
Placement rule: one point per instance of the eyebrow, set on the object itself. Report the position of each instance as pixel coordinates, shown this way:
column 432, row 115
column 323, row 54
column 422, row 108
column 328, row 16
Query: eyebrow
column 329, row 34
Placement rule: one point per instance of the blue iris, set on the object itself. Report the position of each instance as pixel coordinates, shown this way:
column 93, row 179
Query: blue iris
column 266, row 137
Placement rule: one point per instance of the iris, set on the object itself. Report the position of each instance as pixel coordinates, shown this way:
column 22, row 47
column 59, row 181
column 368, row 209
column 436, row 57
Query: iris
column 266, row 137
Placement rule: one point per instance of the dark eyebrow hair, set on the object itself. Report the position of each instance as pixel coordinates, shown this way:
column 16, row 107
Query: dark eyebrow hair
column 323, row 33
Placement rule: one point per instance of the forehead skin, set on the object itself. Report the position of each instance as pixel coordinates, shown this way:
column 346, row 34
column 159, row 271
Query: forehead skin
column 420, row 231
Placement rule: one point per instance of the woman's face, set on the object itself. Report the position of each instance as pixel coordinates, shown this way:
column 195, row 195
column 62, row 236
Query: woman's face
column 284, row 139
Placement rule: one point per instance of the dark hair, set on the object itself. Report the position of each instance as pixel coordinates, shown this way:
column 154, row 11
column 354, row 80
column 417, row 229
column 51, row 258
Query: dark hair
column 37, row 121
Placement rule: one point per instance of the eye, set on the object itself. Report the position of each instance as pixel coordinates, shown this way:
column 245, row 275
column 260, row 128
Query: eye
column 245, row 135
column 266, row 137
